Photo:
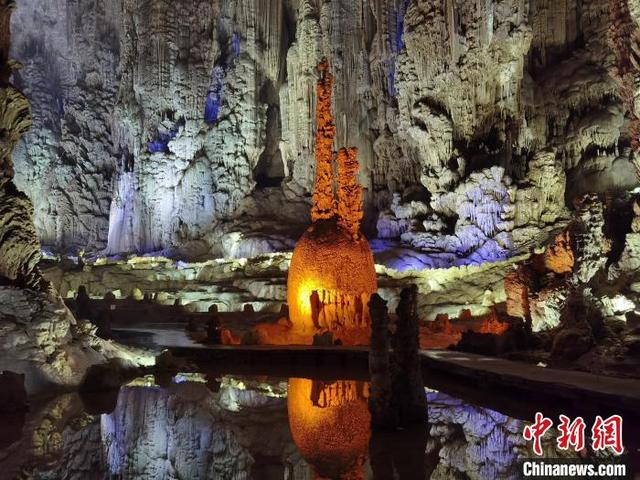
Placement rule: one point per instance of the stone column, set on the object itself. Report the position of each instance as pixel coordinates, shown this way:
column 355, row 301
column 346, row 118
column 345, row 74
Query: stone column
column 323, row 198
column 383, row 415
column 408, row 388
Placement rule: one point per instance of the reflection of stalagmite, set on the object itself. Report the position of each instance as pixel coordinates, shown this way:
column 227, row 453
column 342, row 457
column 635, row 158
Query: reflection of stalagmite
column 397, row 390
column 408, row 387
column 330, row 425
column 382, row 413
column 401, row 454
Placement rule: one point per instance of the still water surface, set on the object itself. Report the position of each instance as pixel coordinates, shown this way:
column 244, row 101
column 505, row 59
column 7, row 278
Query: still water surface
column 230, row 427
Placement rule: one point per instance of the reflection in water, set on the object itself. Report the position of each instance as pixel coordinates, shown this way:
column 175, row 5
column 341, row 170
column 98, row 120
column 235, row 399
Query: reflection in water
column 249, row 429
column 330, row 425
column 401, row 455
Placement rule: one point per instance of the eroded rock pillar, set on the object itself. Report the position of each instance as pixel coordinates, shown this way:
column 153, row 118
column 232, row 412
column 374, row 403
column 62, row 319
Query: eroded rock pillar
column 383, row 415
column 408, row 387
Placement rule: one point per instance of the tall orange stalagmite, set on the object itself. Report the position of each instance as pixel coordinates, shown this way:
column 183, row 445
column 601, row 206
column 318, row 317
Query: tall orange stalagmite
column 332, row 274
column 349, row 192
column 323, row 200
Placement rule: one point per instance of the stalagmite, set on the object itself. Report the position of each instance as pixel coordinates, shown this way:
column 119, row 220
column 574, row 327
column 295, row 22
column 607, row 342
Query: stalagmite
column 323, row 197
column 408, row 386
column 383, row 415
column 332, row 274
column 349, row 192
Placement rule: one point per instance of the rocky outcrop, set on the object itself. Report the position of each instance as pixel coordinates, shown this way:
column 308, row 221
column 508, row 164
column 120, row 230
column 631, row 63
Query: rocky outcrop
column 39, row 337
column 539, row 289
column 19, row 248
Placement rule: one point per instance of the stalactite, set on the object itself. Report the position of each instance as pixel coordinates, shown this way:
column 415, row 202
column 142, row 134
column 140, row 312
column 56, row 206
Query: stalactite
column 323, row 199
column 271, row 29
column 334, row 310
column 349, row 192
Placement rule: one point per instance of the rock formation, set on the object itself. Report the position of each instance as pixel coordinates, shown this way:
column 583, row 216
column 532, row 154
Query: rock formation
column 476, row 128
column 471, row 123
column 624, row 37
column 39, row 336
column 397, row 391
column 323, row 197
column 332, row 275
column 19, row 248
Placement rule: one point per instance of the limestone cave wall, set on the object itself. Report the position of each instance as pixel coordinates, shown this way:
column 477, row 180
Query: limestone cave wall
column 189, row 126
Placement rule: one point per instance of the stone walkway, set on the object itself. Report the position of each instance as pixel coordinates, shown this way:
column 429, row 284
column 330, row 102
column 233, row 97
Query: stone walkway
column 555, row 389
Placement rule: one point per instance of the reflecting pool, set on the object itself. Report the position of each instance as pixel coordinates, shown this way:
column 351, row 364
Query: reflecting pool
column 232, row 427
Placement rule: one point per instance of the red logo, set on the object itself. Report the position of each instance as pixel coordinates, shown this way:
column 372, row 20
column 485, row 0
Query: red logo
column 571, row 434
column 536, row 431
column 607, row 434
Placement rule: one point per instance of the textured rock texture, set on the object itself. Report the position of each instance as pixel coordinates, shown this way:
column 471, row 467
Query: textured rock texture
column 189, row 127
column 38, row 335
column 19, row 248
column 261, row 282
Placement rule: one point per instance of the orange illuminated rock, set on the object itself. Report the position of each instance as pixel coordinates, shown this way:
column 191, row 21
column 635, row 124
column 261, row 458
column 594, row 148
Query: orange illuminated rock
column 330, row 425
column 440, row 333
column 227, row 337
column 342, row 274
column 517, row 286
column 349, row 192
column 323, row 199
column 491, row 324
column 559, row 257
column 278, row 333
column 332, row 275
